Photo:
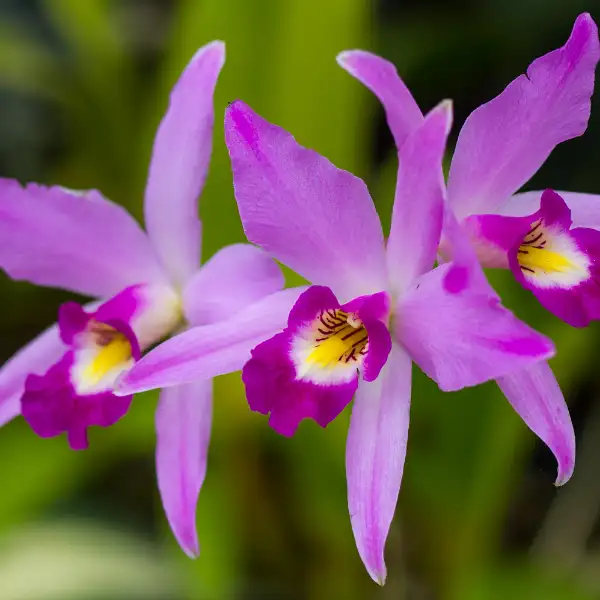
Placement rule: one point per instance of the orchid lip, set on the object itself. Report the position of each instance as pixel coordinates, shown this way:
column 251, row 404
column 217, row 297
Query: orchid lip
column 312, row 368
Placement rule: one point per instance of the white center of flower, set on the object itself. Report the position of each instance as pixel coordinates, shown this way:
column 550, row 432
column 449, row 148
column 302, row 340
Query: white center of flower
column 104, row 354
column 550, row 258
column 331, row 348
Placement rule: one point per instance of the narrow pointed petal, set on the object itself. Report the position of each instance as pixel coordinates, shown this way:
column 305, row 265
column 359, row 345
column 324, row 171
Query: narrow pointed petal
column 454, row 327
column 536, row 396
column 179, row 164
column 585, row 208
column 304, row 211
column 36, row 357
column 504, row 142
column 183, row 422
column 77, row 241
column 210, row 350
column 235, row 277
column 375, row 453
column 464, row 339
column 417, row 225
column 381, row 77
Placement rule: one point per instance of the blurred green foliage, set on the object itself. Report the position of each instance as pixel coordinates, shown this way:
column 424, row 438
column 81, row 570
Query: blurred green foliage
column 84, row 83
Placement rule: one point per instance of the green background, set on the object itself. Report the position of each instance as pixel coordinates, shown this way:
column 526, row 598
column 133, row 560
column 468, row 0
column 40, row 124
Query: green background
column 83, row 84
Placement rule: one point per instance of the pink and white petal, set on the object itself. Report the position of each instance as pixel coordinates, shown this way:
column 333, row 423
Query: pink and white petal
column 375, row 454
column 504, row 142
column 179, row 164
column 235, row 277
column 183, row 423
column 464, row 337
column 536, row 397
column 35, row 358
column 381, row 77
column 210, row 350
column 585, row 208
column 77, row 241
column 315, row 218
column 419, row 201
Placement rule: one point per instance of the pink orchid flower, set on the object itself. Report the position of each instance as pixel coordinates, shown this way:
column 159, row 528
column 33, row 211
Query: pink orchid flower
column 550, row 241
column 149, row 285
column 374, row 307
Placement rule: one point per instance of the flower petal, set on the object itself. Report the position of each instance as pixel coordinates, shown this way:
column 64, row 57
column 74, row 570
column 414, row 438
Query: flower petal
column 51, row 405
column 419, row 203
column 235, row 277
column 210, row 350
column 273, row 387
column 536, row 396
column 183, row 422
column 381, row 77
column 73, row 240
column 585, row 208
column 296, row 205
column 35, row 357
column 375, row 453
column 464, row 338
column 179, row 164
column 504, row 142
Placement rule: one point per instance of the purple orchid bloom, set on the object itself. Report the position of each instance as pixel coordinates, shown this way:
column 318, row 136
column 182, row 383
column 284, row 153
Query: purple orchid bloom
column 500, row 147
column 374, row 309
column 149, row 286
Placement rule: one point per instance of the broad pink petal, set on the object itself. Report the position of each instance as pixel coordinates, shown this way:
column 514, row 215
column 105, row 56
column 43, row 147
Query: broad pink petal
column 419, row 203
column 183, row 422
column 310, row 215
column 73, row 240
column 585, row 208
column 375, row 454
column 36, row 357
column 464, row 337
column 504, row 142
column 233, row 278
column 535, row 394
column 381, row 77
column 179, row 164
column 210, row 350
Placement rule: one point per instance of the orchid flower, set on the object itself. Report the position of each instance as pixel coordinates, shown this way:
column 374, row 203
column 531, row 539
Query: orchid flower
column 373, row 308
column 500, row 147
column 148, row 285
column 371, row 311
